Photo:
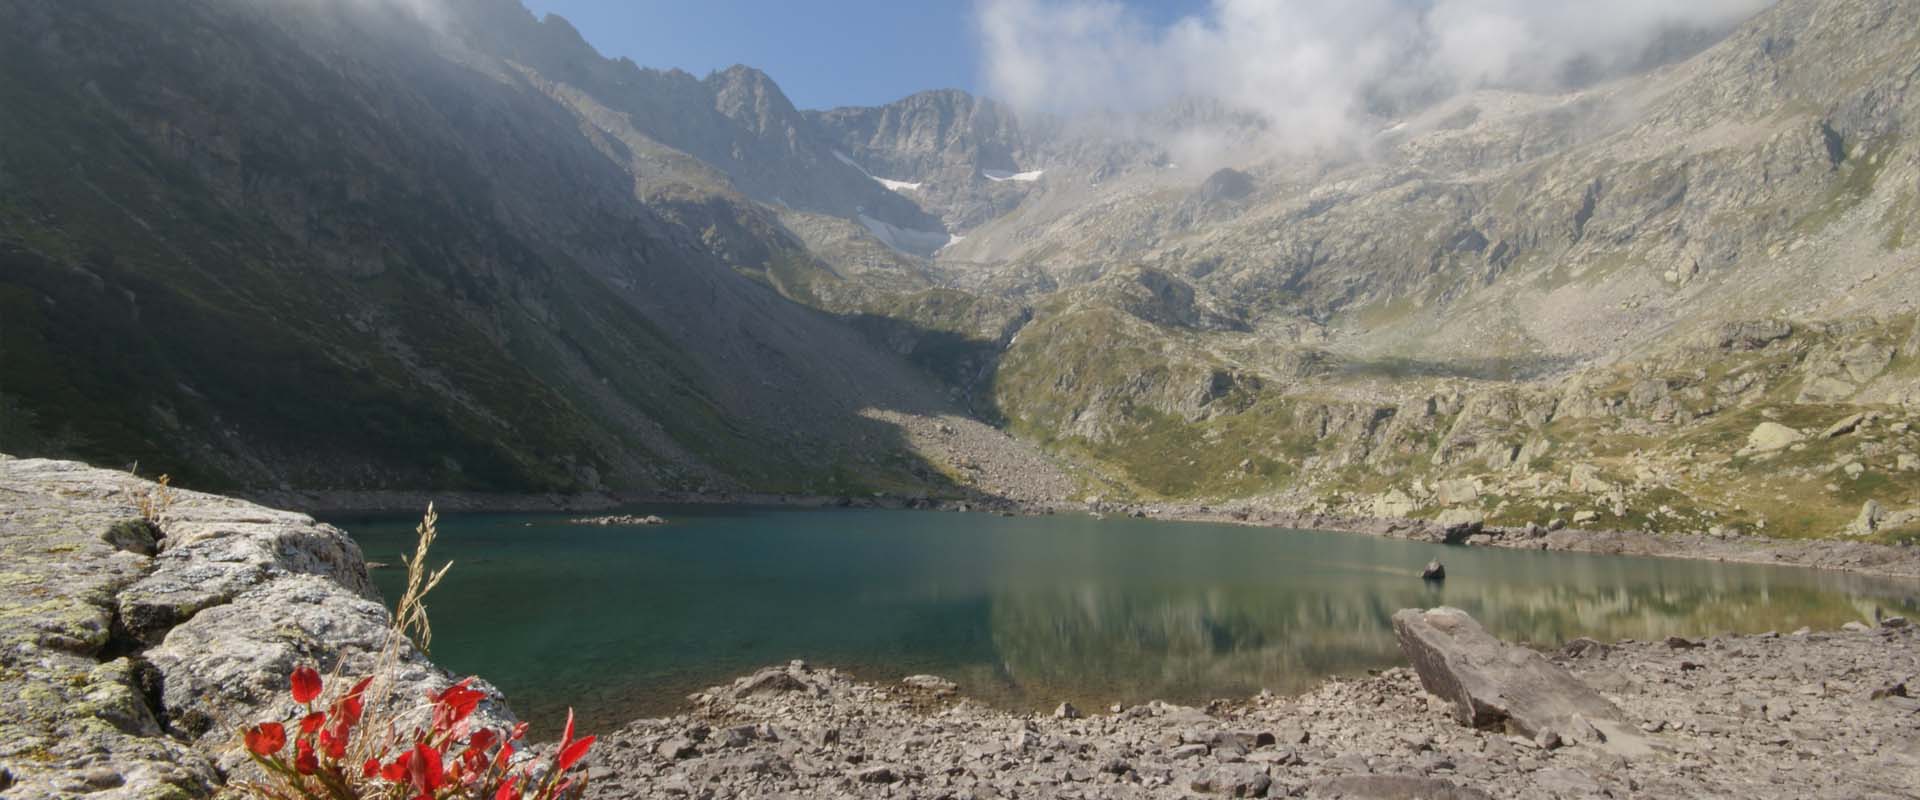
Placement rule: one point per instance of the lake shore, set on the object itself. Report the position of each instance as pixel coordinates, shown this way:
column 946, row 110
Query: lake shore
column 1867, row 558
column 214, row 598
column 1799, row 715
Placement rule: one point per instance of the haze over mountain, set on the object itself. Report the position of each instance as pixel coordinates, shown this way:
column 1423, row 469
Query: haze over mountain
column 1461, row 258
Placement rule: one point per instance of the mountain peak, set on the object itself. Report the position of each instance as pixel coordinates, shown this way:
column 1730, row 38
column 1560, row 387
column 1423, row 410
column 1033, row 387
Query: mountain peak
column 747, row 94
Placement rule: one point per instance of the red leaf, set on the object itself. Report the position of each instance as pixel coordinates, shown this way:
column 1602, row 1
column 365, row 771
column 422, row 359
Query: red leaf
column 567, row 738
column 312, row 722
column 506, row 791
column 571, row 754
column 482, row 739
column 396, row 770
column 350, row 706
column 371, row 768
column 426, row 775
column 306, row 685
column 519, row 731
column 460, row 686
column 334, row 746
column 305, row 762
column 266, row 738
column 338, row 728
column 454, row 704
column 473, row 759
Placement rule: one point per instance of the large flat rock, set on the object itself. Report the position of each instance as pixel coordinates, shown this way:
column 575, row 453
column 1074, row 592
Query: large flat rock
column 1495, row 685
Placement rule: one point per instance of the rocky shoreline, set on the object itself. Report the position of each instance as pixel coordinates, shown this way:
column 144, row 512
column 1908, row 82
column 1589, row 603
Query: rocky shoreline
column 1789, row 716
column 1867, row 558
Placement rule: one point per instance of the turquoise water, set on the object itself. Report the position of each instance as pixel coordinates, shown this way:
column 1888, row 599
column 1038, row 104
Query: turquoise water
column 1023, row 612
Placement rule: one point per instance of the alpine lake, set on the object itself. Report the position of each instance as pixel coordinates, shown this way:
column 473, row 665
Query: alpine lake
column 1023, row 612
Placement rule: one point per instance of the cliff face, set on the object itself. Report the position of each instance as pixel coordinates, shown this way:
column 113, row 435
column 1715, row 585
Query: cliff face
column 132, row 652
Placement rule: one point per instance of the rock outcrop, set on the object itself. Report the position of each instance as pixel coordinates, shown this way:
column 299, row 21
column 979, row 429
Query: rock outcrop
column 133, row 646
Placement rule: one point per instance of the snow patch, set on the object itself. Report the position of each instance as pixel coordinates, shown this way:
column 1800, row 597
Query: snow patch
column 1002, row 175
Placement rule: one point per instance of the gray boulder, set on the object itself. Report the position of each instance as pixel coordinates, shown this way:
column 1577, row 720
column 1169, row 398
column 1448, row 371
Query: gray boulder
column 1845, row 426
column 1751, row 334
column 1494, row 685
column 1768, row 437
column 1867, row 523
column 1456, row 524
column 1232, row 780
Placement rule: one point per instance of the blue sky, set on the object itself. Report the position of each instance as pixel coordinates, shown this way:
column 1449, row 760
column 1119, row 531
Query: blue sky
column 823, row 53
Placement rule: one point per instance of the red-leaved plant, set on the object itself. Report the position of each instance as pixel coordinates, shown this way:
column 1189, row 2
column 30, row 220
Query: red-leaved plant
column 450, row 759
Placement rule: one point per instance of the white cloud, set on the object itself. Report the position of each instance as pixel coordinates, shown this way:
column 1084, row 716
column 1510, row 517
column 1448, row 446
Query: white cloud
column 1308, row 67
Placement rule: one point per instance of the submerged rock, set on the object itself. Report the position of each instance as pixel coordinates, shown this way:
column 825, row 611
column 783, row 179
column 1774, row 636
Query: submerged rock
column 1435, row 571
column 931, row 683
column 623, row 520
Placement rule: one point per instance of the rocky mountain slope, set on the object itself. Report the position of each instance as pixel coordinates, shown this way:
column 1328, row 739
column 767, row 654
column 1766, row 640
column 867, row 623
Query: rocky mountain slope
column 1577, row 307
column 336, row 245
column 1534, row 307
